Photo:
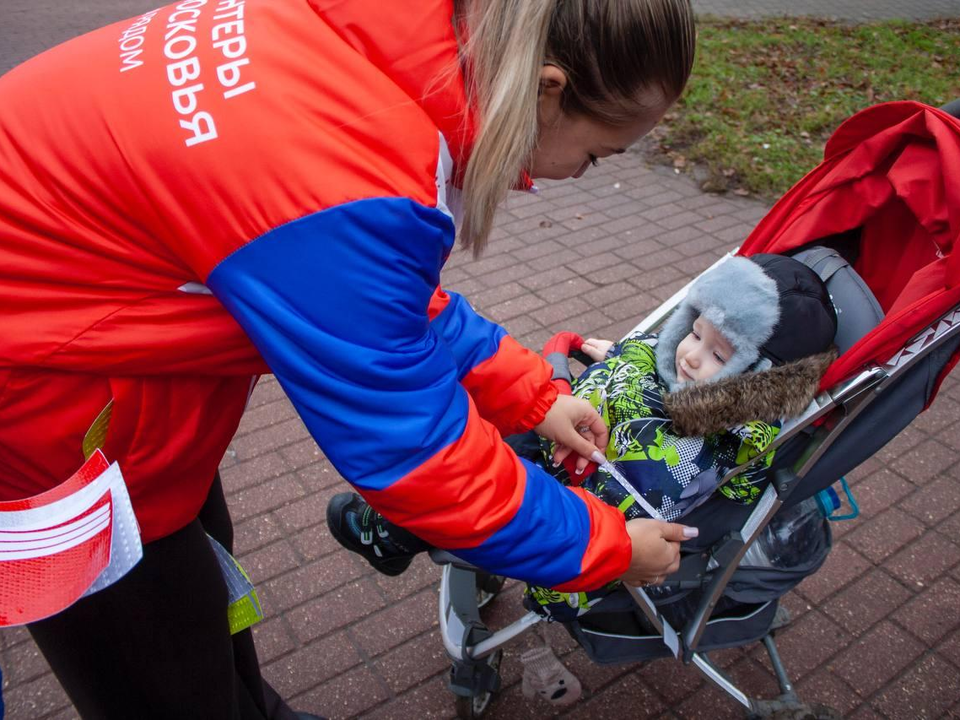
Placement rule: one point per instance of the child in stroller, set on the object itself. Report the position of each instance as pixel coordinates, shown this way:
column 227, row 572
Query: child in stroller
column 747, row 347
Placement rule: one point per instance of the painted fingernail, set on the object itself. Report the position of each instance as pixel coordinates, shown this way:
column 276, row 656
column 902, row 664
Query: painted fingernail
column 691, row 532
column 598, row 457
column 579, row 471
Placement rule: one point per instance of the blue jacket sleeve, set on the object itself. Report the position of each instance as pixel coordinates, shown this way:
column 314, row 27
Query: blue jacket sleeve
column 337, row 303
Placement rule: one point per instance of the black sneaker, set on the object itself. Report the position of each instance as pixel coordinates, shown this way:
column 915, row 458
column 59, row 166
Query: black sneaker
column 361, row 529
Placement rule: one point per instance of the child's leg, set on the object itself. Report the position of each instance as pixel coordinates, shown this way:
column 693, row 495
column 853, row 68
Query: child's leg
column 361, row 529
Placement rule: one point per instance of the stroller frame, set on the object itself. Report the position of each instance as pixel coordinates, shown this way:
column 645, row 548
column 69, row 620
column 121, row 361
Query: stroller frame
column 475, row 650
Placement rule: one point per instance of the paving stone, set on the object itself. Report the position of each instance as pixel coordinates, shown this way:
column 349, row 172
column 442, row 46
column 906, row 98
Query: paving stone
column 874, row 494
column 943, row 414
column 926, row 461
column 641, row 249
column 273, row 638
column 248, row 473
column 629, row 693
column 320, row 476
column 397, row 623
column 825, row 688
column 807, row 643
column 314, row 543
column 717, row 223
column 546, row 279
column 267, row 391
column 889, row 650
column 309, row 510
column 265, row 496
column 410, row 664
column 708, row 703
column 270, row 438
column 498, row 294
column 35, row 698
column 310, row 581
column 843, row 565
column 674, row 681
column 933, row 614
column 600, row 261
column 429, row 701
column 266, row 415
column 882, row 536
column 309, row 666
column 602, row 245
column 866, row 602
column 601, row 297
column 703, row 243
column 734, row 235
column 650, row 279
column 520, row 327
column 926, row 691
column 270, row 561
column 344, row 696
column 679, row 219
column 334, row 609
column 904, row 441
column 935, row 502
column 302, row 454
column 924, row 560
column 559, row 311
column 22, row 664
column 547, row 262
column 13, row 636
column 950, row 648
column 572, row 288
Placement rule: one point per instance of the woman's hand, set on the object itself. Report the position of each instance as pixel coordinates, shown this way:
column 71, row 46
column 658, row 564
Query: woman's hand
column 656, row 550
column 596, row 349
column 574, row 426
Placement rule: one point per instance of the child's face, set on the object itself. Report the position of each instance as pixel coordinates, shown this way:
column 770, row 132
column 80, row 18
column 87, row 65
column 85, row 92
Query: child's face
column 702, row 353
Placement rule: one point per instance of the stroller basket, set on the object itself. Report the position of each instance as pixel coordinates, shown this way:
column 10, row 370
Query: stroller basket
column 899, row 335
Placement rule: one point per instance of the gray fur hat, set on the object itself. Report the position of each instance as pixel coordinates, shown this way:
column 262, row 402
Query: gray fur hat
column 743, row 298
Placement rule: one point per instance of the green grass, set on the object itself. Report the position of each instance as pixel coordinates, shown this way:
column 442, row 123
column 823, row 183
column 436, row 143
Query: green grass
column 765, row 95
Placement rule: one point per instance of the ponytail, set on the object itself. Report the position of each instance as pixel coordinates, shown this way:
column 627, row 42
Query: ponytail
column 505, row 52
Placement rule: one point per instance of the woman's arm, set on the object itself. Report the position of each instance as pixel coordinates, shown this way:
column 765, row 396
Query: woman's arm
column 509, row 383
column 337, row 304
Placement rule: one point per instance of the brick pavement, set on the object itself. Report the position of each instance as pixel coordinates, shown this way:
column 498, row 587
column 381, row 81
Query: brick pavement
column 876, row 632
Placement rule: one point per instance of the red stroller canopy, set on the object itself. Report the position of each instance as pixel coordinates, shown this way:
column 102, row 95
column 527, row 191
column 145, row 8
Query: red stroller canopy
column 892, row 171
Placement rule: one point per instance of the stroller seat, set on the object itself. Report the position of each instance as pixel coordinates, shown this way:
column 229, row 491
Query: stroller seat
column 858, row 311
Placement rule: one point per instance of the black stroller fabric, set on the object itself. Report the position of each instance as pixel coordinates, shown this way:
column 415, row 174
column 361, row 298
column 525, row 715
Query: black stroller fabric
column 793, row 546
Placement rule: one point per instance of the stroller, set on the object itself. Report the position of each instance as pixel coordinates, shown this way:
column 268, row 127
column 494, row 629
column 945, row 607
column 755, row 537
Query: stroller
column 878, row 220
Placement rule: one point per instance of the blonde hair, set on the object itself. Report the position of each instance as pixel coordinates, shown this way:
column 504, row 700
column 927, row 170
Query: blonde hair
column 610, row 50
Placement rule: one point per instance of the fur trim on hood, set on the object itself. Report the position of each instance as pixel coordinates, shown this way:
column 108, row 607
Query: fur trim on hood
column 782, row 391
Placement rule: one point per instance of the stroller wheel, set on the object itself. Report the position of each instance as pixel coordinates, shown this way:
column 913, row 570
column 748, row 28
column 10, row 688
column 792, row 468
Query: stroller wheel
column 476, row 706
column 488, row 587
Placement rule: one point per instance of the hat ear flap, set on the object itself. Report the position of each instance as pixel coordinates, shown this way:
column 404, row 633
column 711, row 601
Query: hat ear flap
column 674, row 330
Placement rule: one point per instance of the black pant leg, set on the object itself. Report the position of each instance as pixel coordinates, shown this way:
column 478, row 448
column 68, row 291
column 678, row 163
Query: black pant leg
column 155, row 644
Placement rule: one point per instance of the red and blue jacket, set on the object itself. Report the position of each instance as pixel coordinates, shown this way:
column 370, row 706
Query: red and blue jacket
column 222, row 188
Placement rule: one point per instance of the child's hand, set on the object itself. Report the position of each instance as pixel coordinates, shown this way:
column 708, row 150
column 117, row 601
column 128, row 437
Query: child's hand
column 596, row 349
column 574, row 426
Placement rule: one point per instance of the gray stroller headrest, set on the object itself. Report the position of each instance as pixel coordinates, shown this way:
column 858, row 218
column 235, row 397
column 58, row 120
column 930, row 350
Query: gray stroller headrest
column 858, row 311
